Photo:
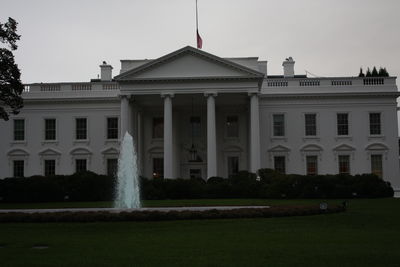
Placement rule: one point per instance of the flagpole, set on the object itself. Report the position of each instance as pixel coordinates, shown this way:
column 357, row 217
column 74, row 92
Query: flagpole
column 198, row 37
column 197, row 20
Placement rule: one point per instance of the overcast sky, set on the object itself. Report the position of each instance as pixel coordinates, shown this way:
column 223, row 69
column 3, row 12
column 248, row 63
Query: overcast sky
column 67, row 40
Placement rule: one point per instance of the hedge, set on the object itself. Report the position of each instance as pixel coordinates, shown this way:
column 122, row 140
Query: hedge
column 88, row 186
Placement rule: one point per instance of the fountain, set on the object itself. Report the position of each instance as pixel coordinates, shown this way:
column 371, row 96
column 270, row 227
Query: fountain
column 127, row 195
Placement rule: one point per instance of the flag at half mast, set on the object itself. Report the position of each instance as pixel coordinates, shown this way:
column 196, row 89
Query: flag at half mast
column 198, row 37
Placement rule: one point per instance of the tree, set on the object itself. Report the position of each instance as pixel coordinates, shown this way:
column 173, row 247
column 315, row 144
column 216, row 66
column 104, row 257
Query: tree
column 374, row 72
column 361, row 74
column 10, row 84
column 368, row 73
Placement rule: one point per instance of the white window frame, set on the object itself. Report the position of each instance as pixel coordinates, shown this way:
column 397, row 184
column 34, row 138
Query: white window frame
column 106, row 128
column 284, row 125
column 45, row 141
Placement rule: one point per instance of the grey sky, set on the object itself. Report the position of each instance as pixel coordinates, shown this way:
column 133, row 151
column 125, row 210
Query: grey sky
column 67, row 40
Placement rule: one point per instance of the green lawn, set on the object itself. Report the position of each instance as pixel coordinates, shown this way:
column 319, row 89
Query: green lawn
column 368, row 234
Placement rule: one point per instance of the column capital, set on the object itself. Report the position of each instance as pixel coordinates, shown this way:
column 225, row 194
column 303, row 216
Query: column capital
column 164, row 95
column 129, row 97
column 207, row 94
column 253, row 94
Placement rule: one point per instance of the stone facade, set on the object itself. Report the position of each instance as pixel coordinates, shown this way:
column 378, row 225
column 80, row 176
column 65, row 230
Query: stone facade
column 193, row 114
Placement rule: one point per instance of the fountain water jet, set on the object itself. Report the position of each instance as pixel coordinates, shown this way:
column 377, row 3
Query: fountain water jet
column 127, row 194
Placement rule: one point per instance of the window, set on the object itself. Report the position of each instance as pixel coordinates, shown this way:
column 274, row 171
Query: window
column 232, row 126
column 312, row 165
column 80, row 165
column 343, row 124
column 233, row 166
column 195, row 173
column 18, row 168
column 279, row 124
column 195, row 125
column 19, row 130
column 344, row 164
column 112, row 167
column 376, row 165
column 310, row 124
column 49, row 167
column 81, row 128
column 112, row 128
column 280, row 164
column 158, row 167
column 374, row 123
column 50, row 129
column 158, row 127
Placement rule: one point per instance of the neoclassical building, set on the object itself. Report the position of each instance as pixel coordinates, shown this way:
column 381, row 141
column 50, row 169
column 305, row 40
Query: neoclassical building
column 194, row 114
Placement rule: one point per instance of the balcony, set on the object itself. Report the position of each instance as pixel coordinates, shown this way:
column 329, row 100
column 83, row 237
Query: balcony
column 70, row 90
column 329, row 85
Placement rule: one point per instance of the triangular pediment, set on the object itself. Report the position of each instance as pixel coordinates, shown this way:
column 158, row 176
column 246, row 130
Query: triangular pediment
column 110, row 151
column 279, row 148
column 189, row 63
column 49, row 152
column 344, row 147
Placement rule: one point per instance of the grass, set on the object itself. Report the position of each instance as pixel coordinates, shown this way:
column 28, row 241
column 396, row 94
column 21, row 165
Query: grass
column 160, row 203
column 366, row 235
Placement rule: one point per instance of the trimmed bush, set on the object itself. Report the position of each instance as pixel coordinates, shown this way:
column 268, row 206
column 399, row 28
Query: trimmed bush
column 88, row 186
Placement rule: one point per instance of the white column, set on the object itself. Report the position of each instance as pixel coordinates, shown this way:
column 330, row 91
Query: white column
column 211, row 137
column 124, row 118
column 168, row 152
column 254, row 133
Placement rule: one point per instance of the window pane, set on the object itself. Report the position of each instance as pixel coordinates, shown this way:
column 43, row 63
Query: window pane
column 19, row 129
column 112, row 128
column 376, row 165
column 80, row 165
column 81, row 129
column 50, row 129
column 18, row 168
column 279, row 124
column 49, row 167
column 312, row 165
column 195, row 124
column 112, row 167
column 233, row 166
column 342, row 124
column 311, row 124
column 344, row 164
column 158, row 127
column 375, row 123
column 158, row 167
column 280, row 164
column 232, row 126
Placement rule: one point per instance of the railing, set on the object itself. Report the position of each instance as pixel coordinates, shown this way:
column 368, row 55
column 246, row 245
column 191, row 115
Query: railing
column 81, row 87
column 342, row 83
column 111, row 86
column 50, row 87
column 309, row 83
column 374, row 81
column 330, row 82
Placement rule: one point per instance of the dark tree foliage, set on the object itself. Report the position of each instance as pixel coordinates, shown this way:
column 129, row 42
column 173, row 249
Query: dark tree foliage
column 10, row 83
column 368, row 73
column 361, row 74
column 374, row 72
column 383, row 72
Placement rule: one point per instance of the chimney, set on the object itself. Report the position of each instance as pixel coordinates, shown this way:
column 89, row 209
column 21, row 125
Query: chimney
column 288, row 68
column 105, row 72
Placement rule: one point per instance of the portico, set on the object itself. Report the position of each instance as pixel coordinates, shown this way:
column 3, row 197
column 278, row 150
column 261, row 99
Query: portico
column 185, row 89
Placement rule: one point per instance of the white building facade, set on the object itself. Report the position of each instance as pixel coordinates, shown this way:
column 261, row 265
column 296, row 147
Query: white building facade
column 193, row 114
